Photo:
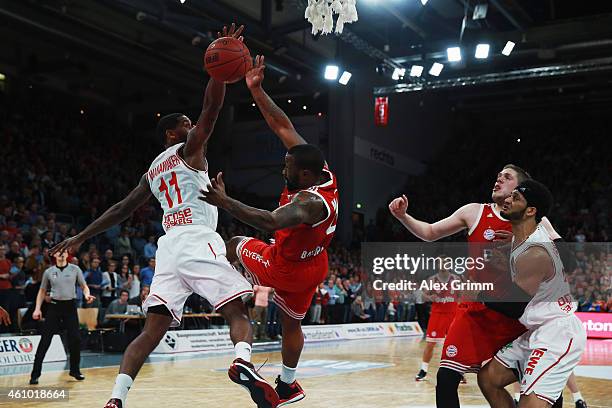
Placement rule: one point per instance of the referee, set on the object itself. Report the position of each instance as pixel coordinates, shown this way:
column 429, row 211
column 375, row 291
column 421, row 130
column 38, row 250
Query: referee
column 61, row 279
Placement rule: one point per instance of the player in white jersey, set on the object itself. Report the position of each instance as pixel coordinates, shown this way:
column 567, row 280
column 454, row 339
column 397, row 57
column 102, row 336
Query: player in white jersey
column 543, row 357
column 191, row 256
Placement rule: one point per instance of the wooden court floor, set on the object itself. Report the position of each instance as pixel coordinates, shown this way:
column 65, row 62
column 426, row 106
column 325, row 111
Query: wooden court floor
column 197, row 383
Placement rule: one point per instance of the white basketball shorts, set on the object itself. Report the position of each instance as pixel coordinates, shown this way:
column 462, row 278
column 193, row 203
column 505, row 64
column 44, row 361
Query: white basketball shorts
column 545, row 357
column 191, row 259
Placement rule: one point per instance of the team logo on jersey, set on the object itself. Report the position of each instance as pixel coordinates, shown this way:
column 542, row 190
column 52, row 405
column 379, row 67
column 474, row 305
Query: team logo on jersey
column 451, row 351
column 433, row 333
column 489, row 234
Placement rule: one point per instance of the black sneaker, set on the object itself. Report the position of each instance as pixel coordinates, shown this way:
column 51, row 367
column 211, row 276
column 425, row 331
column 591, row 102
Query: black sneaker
column 581, row 404
column 114, row 403
column 288, row 393
column 77, row 376
column 34, row 381
column 243, row 373
column 421, row 376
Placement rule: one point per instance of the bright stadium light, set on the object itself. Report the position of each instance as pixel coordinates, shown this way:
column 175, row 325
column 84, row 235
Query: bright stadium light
column 508, row 48
column 436, row 69
column 345, row 77
column 453, row 54
column 482, row 51
column 398, row 73
column 331, row 72
column 423, row 2
column 416, row 71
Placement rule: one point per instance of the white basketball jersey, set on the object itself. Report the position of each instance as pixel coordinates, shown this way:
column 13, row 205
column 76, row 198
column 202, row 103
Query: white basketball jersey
column 176, row 185
column 553, row 299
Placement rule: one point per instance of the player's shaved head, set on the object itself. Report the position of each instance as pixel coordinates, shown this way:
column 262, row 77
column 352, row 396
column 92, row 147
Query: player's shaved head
column 308, row 157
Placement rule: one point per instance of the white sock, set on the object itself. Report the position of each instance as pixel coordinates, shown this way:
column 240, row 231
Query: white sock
column 243, row 351
column 424, row 366
column 577, row 396
column 288, row 374
column 517, row 396
column 123, row 383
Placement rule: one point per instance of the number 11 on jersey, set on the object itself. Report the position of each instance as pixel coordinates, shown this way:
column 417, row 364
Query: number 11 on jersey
column 163, row 187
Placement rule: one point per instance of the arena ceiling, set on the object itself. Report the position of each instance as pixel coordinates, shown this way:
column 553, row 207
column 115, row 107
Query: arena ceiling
column 133, row 51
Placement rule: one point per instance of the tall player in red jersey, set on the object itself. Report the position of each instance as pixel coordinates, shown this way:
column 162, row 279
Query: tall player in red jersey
column 443, row 309
column 303, row 226
column 470, row 339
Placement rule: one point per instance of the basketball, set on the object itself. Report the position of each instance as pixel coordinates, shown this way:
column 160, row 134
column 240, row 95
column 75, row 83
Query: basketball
column 227, row 59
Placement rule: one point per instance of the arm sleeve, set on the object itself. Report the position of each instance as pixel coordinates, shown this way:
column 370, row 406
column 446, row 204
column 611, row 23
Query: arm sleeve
column 44, row 283
column 80, row 277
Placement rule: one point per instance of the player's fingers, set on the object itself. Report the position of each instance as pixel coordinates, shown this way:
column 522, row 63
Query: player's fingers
column 225, row 31
column 241, row 39
column 232, row 29
column 261, row 60
column 239, row 31
column 220, row 179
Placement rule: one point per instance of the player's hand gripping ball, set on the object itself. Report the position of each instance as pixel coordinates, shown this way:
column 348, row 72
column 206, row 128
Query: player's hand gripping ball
column 227, row 59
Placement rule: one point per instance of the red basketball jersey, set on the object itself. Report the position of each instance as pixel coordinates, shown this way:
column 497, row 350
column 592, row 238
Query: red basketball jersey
column 483, row 231
column 444, row 300
column 306, row 242
column 487, row 223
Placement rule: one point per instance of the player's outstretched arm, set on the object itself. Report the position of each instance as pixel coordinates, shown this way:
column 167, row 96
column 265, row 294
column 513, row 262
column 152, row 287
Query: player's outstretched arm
column 459, row 220
column 198, row 136
column 114, row 215
column 305, row 208
column 276, row 119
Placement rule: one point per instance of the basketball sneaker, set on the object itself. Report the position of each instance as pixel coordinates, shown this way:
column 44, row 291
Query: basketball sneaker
column 243, row 373
column 581, row 404
column 114, row 403
column 421, row 376
column 288, row 393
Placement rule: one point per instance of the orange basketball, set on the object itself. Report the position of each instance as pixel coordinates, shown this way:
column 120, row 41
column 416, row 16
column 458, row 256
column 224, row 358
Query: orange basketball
column 227, row 59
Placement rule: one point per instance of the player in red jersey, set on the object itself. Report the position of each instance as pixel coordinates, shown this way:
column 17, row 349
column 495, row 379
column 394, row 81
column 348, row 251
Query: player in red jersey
column 303, row 225
column 470, row 340
column 443, row 308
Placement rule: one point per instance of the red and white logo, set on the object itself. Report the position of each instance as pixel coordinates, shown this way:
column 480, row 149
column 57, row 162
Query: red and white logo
column 26, row 345
column 489, row 234
column 451, row 351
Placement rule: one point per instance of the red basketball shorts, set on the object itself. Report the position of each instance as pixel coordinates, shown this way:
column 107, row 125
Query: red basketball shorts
column 438, row 325
column 294, row 282
column 475, row 335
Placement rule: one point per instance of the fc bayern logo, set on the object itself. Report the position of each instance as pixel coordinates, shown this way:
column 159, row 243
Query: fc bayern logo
column 26, row 345
column 451, row 351
column 433, row 334
column 489, row 234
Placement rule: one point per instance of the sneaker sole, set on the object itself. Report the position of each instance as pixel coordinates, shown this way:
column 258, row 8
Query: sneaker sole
column 297, row 398
column 261, row 392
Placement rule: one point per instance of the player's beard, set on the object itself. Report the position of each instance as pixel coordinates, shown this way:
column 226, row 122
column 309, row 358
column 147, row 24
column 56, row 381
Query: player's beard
column 291, row 186
column 513, row 216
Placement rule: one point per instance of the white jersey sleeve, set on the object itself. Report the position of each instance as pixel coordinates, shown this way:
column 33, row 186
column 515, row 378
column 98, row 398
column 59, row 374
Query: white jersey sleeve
column 176, row 185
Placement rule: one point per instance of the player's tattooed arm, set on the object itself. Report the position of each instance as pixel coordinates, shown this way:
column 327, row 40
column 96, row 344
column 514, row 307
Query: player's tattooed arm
column 305, row 208
column 116, row 214
column 276, row 119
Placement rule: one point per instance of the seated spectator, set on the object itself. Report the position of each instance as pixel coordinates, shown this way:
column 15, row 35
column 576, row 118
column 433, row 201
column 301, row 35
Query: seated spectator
column 123, row 245
column 138, row 300
column 135, row 285
column 5, row 268
column 358, row 311
column 14, row 251
column 18, row 276
column 150, row 248
column 117, row 306
column 93, row 277
column 146, row 275
column 110, row 282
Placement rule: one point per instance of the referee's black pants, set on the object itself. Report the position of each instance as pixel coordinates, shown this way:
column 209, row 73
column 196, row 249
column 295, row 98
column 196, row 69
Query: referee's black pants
column 61, row 314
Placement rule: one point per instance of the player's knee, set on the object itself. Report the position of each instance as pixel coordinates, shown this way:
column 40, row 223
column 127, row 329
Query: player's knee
column 447, row 379
column 484, row 378
column 230, row 248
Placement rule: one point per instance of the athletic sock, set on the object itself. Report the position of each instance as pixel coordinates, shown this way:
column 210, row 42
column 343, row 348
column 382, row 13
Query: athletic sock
column 243, row 351
column 123, row 383
column 517, row 396
column 577, row 396
column 288, row 374
column 424, row 366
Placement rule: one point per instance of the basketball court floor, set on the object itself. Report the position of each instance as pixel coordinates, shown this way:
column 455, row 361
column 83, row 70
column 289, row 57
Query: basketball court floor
column 355, row 374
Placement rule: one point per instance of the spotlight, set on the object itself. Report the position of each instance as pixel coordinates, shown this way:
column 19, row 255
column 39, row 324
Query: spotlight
column 453, row 54
column 82, row 112
column 345, row 77
column 359, row 206
column 508, row 48
column 288, row 100
column 182, row 1
column 304, row 107
column 253, row 104
column 2, row 77
column 331, row 72
column 436, row 69
column 158, row 114
column 398, row 73
column 423, row 2
column 482, row 51
column 416, row 71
